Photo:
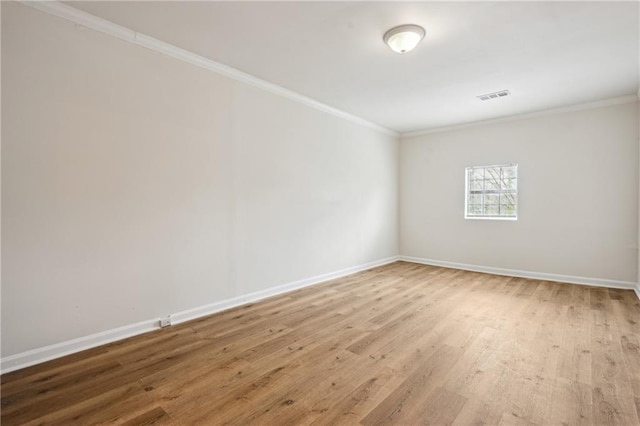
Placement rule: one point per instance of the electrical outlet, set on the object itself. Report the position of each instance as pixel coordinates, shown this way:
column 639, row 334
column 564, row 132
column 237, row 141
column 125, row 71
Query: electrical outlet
column 165, row 322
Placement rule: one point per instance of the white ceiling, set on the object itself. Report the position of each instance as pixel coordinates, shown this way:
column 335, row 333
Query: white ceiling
column 548, row 54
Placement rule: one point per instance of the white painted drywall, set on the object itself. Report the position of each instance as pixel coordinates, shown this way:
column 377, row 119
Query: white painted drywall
column 638, row 276
column 578, row 194
column 135, row 185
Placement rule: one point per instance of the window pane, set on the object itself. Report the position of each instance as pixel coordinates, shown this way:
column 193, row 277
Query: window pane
column 477, row 174
column 492, row 174
column 508, row 172
column 509, row 198
column 492, row 184
column 492, row 198
column 475, row 199
column 491, row 209
column 476, row 185
column 475, row 209
column 507, row 210
column 509, row 184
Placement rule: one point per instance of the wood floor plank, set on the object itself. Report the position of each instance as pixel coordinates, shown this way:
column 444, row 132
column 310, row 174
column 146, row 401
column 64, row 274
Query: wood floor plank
column 476, row 412
column 399, row 344
column 346, row 404
column 155, row 416
column 111, row 406
column 612, row 391
column 571, row 403
column 414, row 391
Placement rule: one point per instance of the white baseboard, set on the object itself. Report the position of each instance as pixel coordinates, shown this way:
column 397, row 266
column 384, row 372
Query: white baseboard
column 47, row 353
column 57, row 350
column 263, row 294
column 597, row 282
column 637, row 289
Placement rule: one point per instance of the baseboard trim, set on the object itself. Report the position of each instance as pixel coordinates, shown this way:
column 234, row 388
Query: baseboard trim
column 57, row 350
column 637, row 289
column 597, row 282
column 273, row 291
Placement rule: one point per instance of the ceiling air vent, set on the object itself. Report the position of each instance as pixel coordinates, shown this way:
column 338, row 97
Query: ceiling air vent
column 494, row 95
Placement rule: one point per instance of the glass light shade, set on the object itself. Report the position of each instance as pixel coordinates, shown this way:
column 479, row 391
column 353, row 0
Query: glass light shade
column 404, row 38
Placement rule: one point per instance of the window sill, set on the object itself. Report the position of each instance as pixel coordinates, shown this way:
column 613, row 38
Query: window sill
column 491, row 218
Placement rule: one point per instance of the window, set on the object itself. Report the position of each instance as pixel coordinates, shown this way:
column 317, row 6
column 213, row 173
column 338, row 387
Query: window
column 492, row 192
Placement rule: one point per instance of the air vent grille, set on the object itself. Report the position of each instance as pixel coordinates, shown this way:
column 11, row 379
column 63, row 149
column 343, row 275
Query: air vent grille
column 494, row 95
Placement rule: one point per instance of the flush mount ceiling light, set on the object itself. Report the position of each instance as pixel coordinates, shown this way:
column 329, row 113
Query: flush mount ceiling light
column 404, row 38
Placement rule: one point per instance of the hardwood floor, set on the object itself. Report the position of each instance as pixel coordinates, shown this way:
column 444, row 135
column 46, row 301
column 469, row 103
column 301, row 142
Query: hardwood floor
column 400, row 344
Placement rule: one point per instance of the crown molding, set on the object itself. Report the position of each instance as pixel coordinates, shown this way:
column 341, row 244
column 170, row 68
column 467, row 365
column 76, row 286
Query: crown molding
column 107, row 27
column 577, row 107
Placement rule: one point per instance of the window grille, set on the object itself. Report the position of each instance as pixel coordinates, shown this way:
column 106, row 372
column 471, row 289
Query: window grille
column 491, row 192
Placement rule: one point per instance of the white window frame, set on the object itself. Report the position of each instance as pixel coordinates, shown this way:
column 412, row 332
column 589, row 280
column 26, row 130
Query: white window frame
column 467, row 172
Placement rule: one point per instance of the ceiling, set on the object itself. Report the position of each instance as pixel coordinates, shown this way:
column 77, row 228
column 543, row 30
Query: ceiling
column 548, row 54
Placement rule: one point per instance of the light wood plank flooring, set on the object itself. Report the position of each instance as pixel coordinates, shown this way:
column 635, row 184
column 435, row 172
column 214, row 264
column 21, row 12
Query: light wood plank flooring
column 401, row 344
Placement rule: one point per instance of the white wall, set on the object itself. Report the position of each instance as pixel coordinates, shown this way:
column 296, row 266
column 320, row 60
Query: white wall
column 135, row 185
column 637, row 289
column 578, row 194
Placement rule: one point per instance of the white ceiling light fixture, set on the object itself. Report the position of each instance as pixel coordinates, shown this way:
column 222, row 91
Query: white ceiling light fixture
column 404, row 38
